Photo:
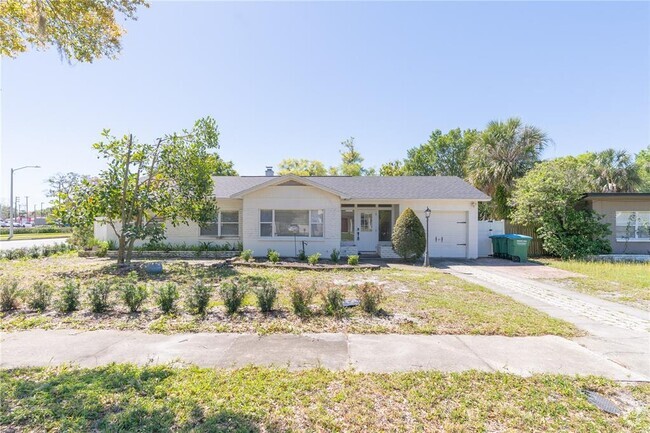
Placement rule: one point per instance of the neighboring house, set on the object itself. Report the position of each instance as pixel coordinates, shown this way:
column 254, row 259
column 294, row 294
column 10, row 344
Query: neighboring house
column 354, row 215
column 628, row 215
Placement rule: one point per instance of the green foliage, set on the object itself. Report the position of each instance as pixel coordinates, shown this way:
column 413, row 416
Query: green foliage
column 313, row 259
column 166, row 297
column 548, row 197
column 36, row 230
column 333, row 302
column 370, row 296
column 409, row 240
column 198, row 297
column 273, row 256
column 442, row 155
column 615, row 171
column 335, row 255
column 146, row 183
column 82, row 236
column 351, row 161
column 301, row 299
column 301, row 167
column 69, row 297
column 246, row 255
column 133, row 293
column 40, row 296
column 81, row 30
column 353, row 259
column 302, row 256
column 203, row 246
column 392, row 168
column 502, row 153
column 642, row 162
column 34, row 252
column 266, row 293
column 10, row 294
column 99, row 296
column 232, row 294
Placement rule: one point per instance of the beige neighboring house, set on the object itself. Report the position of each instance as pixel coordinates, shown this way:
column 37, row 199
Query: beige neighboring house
column 354, row 215
column 628, row 215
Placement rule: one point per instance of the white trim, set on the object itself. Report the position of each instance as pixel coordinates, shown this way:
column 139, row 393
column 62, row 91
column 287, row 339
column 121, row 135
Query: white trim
column 281, row 179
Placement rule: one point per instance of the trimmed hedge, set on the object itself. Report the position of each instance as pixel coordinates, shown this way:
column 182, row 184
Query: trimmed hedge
column 35, row 230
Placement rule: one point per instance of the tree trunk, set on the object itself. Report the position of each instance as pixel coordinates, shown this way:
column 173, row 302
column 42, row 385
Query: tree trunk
column 121, row 250
column 129, row 251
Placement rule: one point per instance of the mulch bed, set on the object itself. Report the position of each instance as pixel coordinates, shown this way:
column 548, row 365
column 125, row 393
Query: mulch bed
column 306, row 266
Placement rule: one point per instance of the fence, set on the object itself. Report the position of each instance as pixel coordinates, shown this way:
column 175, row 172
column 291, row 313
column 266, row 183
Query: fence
column 536, row 249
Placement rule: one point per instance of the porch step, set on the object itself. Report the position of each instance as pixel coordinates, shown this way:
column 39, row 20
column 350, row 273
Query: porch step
column 368, row 255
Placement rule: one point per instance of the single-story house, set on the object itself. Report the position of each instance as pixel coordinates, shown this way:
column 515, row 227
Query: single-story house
column 628, row 215
column 354, row 215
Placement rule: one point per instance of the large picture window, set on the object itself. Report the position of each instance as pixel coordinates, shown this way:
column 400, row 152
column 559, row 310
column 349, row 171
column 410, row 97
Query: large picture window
column 226, row 225
column 633, row 226
column 301, row 223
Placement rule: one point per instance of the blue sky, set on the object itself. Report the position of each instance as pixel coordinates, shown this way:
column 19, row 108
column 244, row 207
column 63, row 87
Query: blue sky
column 295, row 79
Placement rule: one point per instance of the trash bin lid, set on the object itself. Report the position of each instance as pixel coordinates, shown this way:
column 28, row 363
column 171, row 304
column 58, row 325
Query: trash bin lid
column 497, row 236
column 515, row 236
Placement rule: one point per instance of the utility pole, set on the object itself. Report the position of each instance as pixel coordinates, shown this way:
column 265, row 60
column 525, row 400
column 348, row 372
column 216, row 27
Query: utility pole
column 41, row 209
column 11, row 199
column 27, row 207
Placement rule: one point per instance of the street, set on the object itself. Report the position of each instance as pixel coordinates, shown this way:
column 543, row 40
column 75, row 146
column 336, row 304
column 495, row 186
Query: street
column 8, row 245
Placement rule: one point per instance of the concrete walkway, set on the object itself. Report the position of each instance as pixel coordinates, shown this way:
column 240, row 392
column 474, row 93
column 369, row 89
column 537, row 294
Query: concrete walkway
column 619, row 332
column 367, row 353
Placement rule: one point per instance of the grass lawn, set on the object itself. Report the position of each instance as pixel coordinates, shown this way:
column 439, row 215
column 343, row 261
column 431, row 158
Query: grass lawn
column 31, row 236
column 126, row 398
column 620, row 282
column 416, row 302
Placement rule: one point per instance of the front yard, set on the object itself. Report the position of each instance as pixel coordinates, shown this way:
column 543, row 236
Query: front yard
column 416, row 302
column 627, row 283
column 126, row 398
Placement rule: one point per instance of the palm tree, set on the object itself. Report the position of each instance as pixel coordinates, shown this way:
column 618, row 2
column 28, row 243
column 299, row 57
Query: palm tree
column 503, row 152
column 615, row 171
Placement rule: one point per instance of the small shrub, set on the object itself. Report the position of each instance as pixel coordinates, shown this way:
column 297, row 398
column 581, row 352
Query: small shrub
column 353, row 260
column 266, row 294
column 409, row 241
column 40, row 296
column 232, row 294
column 301, row 298
column 10, row 294
column 333, row 302
column 246, row 255
column 34, row 252
column 19, row 253
column 133, row 293
column 69, row 297
column 370, row 296
column 197, row 298
column 313, row 259
column 273, row 256
column 335, row 255
column 302, row 256
column 102, row 248
column 166, row 297
column 98, row 296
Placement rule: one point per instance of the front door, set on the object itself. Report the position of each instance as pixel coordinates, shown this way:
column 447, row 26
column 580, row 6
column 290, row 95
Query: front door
column 367, row 230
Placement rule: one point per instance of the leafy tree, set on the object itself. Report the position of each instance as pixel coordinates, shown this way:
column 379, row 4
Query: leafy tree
column 145, row 184
column 301, row 167
column 83, row 30
column 351, row 162
column 442, row 155
column 616, row 171
column 409, row 240
column 642, row 162
column 392, row 168
column 224, row 168
column 548, row 197
column 502, row 153
column 61, row 187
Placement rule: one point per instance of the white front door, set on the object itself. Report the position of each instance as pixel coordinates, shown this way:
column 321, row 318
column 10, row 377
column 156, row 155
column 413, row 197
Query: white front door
column 367, row 233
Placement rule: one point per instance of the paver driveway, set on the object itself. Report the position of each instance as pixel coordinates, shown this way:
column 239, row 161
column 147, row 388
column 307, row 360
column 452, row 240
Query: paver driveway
column 620, row 332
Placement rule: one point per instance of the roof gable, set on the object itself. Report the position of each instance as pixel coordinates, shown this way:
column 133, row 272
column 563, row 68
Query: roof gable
column 287, row 180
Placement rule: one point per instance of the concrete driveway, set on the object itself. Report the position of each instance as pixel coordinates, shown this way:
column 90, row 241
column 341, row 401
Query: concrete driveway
column 619, row 332
column 8, row 245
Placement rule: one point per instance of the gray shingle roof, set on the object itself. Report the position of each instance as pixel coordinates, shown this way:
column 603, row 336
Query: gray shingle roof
column 368, row 187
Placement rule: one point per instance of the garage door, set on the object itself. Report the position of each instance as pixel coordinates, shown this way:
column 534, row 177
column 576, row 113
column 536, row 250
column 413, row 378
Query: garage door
column 448, row 234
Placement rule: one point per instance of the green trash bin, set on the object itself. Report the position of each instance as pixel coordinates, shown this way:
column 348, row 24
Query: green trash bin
column 499, row 247
column 517, row 247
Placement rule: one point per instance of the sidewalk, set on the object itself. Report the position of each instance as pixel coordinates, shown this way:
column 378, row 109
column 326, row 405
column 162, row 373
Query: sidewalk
column 366, row 353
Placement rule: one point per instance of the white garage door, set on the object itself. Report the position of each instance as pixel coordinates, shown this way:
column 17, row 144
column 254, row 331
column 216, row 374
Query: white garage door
column 448, row 234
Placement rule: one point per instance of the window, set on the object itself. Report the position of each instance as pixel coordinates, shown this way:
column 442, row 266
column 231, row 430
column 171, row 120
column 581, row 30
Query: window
column 347, row 225
column 366, row 221
column 302, row 223
column 633, row 226
column 385, row 225
column 226, row 225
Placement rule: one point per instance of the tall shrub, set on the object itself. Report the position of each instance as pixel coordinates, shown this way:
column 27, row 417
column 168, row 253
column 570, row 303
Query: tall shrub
column 409, row 240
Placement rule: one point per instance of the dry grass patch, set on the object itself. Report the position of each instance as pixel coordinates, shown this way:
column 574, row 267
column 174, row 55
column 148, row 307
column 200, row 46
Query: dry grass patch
column 415, row 302
column 125, row 398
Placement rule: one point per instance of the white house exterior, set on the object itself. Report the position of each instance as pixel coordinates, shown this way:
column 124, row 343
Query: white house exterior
column 354, row 215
